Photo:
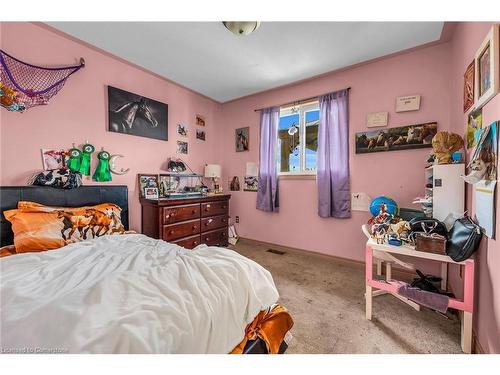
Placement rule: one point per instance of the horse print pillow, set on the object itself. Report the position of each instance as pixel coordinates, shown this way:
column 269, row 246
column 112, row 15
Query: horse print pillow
column 38, row 228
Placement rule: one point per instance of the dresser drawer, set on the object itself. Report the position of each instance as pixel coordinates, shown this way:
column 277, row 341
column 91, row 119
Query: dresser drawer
column 175, row 231
column 215, row 238
column 214, row 208
column 214, row 222
column 189, row 243
column 180, row 213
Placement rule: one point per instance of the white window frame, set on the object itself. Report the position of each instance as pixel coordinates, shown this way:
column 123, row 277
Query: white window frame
column 303, row 109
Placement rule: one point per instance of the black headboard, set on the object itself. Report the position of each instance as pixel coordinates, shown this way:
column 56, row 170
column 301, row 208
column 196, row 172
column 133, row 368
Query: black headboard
column 83, row 196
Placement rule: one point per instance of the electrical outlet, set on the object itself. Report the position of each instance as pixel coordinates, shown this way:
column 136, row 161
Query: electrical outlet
column 237, row 219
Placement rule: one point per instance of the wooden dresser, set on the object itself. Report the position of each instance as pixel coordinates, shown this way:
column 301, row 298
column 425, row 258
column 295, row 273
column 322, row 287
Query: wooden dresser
column 187, row 222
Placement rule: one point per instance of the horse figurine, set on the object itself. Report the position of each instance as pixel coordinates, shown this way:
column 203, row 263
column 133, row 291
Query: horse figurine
column 122, row 119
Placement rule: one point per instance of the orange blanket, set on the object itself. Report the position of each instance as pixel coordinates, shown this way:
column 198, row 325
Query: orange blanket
column 269, row 325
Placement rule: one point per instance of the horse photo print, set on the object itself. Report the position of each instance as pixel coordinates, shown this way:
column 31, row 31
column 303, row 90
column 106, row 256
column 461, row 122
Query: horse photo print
column 137, row 115
column 393, row 139
column 242, row 137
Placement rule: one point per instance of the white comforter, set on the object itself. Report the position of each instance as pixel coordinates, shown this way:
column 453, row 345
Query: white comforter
column 130, row 294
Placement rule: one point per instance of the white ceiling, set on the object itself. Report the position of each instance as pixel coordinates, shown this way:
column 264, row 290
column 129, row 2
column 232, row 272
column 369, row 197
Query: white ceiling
column 207, row 58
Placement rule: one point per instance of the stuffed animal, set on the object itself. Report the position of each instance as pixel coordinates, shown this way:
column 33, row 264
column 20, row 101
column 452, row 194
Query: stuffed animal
column 444, row 144
column 400, row 227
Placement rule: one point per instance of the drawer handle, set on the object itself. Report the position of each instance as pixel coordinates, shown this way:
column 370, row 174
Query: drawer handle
column 193, row 212
column 195, row 243
column 223, row 220
column 223, row 234
column 207, row 238
column 223, row 206
column 194, row 227
column 171, row 231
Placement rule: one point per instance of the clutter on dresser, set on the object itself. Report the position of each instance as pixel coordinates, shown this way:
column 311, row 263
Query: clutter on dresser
column 24, row 85
column 147, row 181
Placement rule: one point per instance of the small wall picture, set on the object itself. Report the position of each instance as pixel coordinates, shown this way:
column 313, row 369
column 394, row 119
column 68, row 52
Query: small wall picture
column 487, row 61
column 147, row 181
column 53, row 159
column 133, row 114
column 200, row 120
column 251, row 183
column 182, row 147
column 200, row 134
column 182, row 130
column 242, row 137
column 151, row 193
column 469, row 87
column 393, row 139
column 234, row 184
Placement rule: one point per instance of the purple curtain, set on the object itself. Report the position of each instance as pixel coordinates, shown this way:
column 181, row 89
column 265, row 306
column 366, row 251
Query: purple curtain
column 334, row 196
column 267, row 194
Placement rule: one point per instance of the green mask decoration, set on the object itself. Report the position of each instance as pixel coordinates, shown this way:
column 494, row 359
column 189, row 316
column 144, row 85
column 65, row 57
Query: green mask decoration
column 102, row 172
column 75, row 159
column 88, row 149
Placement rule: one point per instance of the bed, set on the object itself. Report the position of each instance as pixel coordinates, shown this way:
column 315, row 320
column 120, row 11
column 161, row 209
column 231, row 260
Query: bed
column 127, row 293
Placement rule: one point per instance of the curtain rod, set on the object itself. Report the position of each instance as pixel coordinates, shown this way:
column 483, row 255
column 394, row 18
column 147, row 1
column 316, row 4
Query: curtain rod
column 300, row 101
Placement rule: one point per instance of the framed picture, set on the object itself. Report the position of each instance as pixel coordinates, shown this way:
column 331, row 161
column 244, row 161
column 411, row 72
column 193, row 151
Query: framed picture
column 242, row 137
column 487, row 70
column 134, row 114
column 234, row 184
column 251, row 183
column 182, row 147
column 469, row 78
column 147, row 181
column 151, row 193
column 182, row 130
column 200, row 134
column 200, row 120
column 53, row 159
column 393, row 139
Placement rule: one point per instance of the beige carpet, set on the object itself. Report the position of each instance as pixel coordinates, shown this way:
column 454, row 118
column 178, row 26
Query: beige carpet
column 325, row 297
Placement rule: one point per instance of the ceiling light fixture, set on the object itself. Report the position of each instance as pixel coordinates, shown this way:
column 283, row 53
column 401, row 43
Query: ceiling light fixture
column 241, row 28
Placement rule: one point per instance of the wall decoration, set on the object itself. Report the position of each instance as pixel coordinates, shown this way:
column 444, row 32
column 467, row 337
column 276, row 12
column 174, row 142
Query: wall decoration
column 102, row 172
column 408, row 103
column 469, row 87
column 251, row 183
column 242, row 137
column 474, row 125
column 75, row 159
column 200, row 120
column 200, row 134
column 147, row 181
column 487, row 76
column 112, row 165
column 137, row 115
column 24, row 85
column 87, row 151
column 182, row 130
column 182, row 147
column 234, row 184
column 393, row 139
column 377, row 119
column 53, row 159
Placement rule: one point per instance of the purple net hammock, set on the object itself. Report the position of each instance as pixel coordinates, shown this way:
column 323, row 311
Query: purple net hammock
column 24, row 85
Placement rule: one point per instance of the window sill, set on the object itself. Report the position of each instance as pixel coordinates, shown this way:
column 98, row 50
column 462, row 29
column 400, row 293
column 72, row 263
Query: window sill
column 297, row 176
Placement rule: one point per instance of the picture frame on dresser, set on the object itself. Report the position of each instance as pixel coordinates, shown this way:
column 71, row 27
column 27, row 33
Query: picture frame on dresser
column 147, row 181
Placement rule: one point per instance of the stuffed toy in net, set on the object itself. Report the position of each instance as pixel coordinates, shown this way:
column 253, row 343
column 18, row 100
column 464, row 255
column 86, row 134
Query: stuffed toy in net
column 24, row 85
column 444, row 144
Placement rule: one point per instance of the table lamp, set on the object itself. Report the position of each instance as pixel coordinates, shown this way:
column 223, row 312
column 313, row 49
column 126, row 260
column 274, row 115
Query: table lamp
column 213, row 171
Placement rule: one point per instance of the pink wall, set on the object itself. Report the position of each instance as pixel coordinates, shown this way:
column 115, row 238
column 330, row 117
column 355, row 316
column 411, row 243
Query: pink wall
column 466, row 39
column 79, row 112
column 399, row 174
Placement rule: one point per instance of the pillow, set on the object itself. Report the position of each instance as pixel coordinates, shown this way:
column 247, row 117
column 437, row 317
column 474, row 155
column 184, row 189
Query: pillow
column 7, row 250
column 37, row 227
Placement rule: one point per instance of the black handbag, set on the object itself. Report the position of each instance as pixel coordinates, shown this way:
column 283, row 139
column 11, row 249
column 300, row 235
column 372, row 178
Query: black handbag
column 464, row 239
column 428, row 225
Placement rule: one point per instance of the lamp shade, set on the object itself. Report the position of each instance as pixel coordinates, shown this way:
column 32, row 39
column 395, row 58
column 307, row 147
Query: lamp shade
column 212, row 170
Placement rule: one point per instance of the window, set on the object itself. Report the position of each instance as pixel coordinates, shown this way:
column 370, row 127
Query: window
column 298, row 139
